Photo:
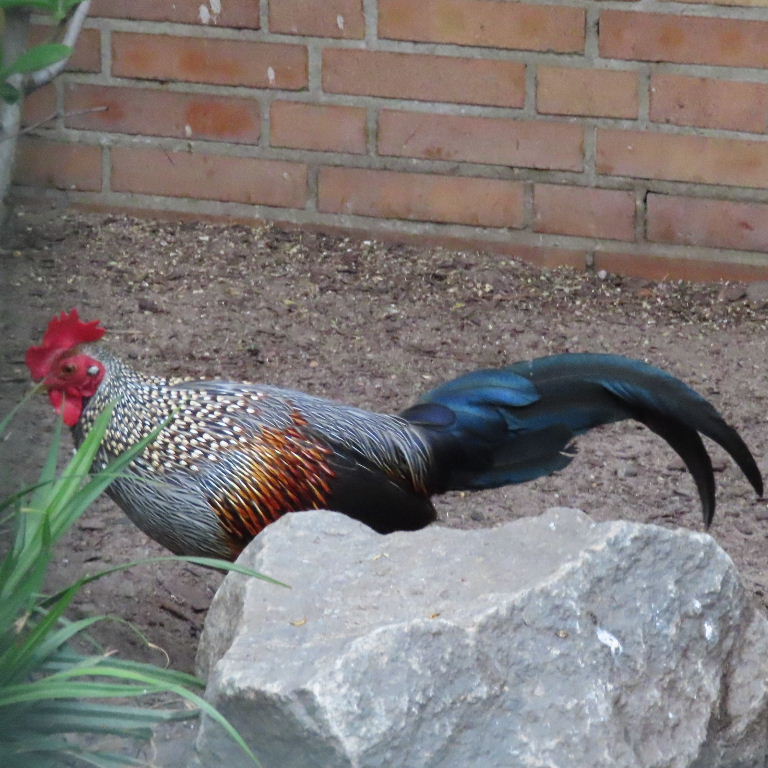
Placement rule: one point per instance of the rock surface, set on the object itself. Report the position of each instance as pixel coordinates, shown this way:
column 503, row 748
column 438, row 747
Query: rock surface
column 551, row 642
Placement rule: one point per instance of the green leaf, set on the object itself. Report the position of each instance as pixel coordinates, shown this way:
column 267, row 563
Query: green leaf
column 98, row 717
column 24, row 566
column 18, row 599
column 6, row 420
column 63, row 8
column 107, row 759
column 225, row 565
column 47, row 689
column 209, row 562
column 48, row 473
column 70, row 659
column 45, row 639
column 39, row 57
column 8, row 93
column 44, row 5
column 15, row 498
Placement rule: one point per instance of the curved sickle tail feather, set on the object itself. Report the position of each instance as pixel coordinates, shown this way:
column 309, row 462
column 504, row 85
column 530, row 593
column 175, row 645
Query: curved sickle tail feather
column 495, row 427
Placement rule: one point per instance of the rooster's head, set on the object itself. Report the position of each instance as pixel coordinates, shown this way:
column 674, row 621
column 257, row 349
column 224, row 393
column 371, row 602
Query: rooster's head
column 68, row 373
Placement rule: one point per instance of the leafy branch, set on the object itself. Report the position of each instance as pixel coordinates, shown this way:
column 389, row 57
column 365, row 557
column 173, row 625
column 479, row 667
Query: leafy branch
column 41, row 63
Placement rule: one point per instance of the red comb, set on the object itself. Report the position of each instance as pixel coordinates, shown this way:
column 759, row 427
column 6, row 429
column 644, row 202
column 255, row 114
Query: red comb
column 69, row 330
column 63, row 333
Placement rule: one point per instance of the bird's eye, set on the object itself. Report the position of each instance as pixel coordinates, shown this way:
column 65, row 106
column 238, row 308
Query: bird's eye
column 93, row 370
column 68, row 368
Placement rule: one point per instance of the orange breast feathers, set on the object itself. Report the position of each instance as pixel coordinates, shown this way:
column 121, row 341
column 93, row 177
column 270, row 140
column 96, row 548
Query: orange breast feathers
column 275, row 471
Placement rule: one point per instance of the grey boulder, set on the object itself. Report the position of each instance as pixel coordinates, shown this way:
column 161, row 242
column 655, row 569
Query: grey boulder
column 549, row 642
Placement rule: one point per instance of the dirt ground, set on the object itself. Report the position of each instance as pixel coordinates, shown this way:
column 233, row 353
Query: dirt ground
column 370, row 324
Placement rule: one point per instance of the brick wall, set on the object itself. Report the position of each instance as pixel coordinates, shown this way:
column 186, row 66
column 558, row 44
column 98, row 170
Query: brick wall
column 626, row 136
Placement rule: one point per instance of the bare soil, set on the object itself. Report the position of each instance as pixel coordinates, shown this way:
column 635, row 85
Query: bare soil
column 372, row 324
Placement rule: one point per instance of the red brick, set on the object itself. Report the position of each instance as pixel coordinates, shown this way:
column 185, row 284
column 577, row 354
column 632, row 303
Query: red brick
column 683, row 39
column 324, row 18
column 325, row 128
column 678, row 157
column 42, row 163
column 209, row 60
column 487, row 23
column 423, row 77
column 163, row 113
column 234, row 13
column 592, row 92
column 421, row 197
column 209, row 177
column 498, row 141
column 709, row 103
column 710, row 223
column 39, row 105
column 584, row 211
column 654, row 267
column 87, row 54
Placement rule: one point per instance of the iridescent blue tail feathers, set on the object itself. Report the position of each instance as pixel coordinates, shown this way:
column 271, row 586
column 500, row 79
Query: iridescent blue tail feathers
column 496, row 427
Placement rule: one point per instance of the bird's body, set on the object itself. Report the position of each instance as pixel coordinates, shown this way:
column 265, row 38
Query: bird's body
column 233, row 457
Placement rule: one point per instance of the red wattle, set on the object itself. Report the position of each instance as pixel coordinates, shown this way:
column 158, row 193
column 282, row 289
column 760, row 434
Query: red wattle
column 69, row 406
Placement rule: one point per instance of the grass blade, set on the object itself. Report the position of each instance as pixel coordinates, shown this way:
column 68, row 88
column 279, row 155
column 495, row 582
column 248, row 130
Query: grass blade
column 5, row 422
column 47, row 690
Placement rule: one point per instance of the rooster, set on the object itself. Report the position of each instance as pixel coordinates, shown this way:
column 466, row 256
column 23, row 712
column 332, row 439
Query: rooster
column 232, row 457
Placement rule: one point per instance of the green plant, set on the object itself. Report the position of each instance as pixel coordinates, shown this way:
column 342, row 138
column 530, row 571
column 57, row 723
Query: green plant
column 38, row 57
column 49, row 690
